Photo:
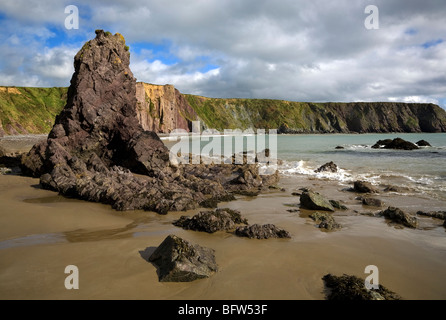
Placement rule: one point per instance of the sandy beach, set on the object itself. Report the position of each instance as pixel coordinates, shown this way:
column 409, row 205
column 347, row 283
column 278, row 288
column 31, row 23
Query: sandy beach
column 43, row 232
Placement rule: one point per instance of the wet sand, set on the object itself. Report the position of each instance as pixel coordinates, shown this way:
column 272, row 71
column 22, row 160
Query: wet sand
column 42, row 233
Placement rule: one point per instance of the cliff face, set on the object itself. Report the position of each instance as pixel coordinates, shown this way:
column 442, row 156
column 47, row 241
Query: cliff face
column 163, row 108
column 307, row 117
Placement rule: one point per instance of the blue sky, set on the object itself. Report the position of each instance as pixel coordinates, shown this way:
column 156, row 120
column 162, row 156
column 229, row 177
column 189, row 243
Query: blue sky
column 284, row 49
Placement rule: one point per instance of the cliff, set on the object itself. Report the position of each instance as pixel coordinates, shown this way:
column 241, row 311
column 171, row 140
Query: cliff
column 307, row 117
column 164, row 108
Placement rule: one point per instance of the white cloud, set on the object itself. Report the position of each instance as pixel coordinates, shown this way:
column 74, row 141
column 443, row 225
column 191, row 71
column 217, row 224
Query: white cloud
column 296, row 50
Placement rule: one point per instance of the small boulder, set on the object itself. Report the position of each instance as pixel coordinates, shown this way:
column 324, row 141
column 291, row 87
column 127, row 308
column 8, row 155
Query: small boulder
column 328, row 167
column 211, row 221
column 372, row 202
column 399, row 216
column 325, row 220
column 347, row 287
column 364, row 187
column 314, row 201
column 423, row 143
column 339, row 148
column 265, row 231
column 180, row 261
column 338, row 205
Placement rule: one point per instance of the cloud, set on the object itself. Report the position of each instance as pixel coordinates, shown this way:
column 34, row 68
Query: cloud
column 294, row 50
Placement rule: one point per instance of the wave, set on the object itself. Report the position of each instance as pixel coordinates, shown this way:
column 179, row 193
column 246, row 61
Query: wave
column 304, row 168
column 429, row 184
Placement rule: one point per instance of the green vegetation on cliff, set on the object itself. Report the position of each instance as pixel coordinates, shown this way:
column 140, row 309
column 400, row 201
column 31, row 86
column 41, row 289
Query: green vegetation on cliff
column 33, row 110
column 308, row 117
column 30, row 110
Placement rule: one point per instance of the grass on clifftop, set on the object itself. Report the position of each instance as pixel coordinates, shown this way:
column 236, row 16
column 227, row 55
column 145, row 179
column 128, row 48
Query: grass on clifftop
column 30, row 110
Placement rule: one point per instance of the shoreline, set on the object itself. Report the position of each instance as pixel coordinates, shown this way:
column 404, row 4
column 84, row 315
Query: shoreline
column 108, row 247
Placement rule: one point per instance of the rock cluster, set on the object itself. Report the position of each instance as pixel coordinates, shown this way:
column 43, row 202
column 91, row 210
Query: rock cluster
column 212, row 221
column 257, row 231
column 325, row 221
column 225, row 219
column 98, row 151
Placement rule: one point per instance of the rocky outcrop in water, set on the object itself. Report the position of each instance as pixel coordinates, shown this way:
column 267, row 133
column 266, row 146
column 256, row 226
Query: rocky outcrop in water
column 98, row 151
column 423, row 143
column 180, row 261
column 328, row 167
column 397, row 143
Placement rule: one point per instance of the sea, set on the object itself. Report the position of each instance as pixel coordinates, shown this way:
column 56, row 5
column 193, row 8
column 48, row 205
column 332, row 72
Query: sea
column 421, row 171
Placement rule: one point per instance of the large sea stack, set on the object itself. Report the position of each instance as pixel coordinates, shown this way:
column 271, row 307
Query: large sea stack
column 98, row 151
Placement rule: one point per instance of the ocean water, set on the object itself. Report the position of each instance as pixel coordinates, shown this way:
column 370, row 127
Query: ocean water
column 422, row 170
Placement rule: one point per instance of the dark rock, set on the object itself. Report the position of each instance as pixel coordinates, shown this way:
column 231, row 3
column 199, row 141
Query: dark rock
column 396, row 143
column 328, row 167
column 347, row 287
column 339, row 148
column 212, row 221
column 314, row 201
column 423, row 143
column 372, row 202
column 364, row 187
column 444, row 224
column 401, row 217
column 180, row 261
column 337, row 205
column 433, row 214
column 296, row 194
column 98, row 151
column 261, row 232
column 325, row 220
column 394, row 189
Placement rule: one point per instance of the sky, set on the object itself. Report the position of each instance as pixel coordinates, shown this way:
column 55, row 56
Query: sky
column 295, row 50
